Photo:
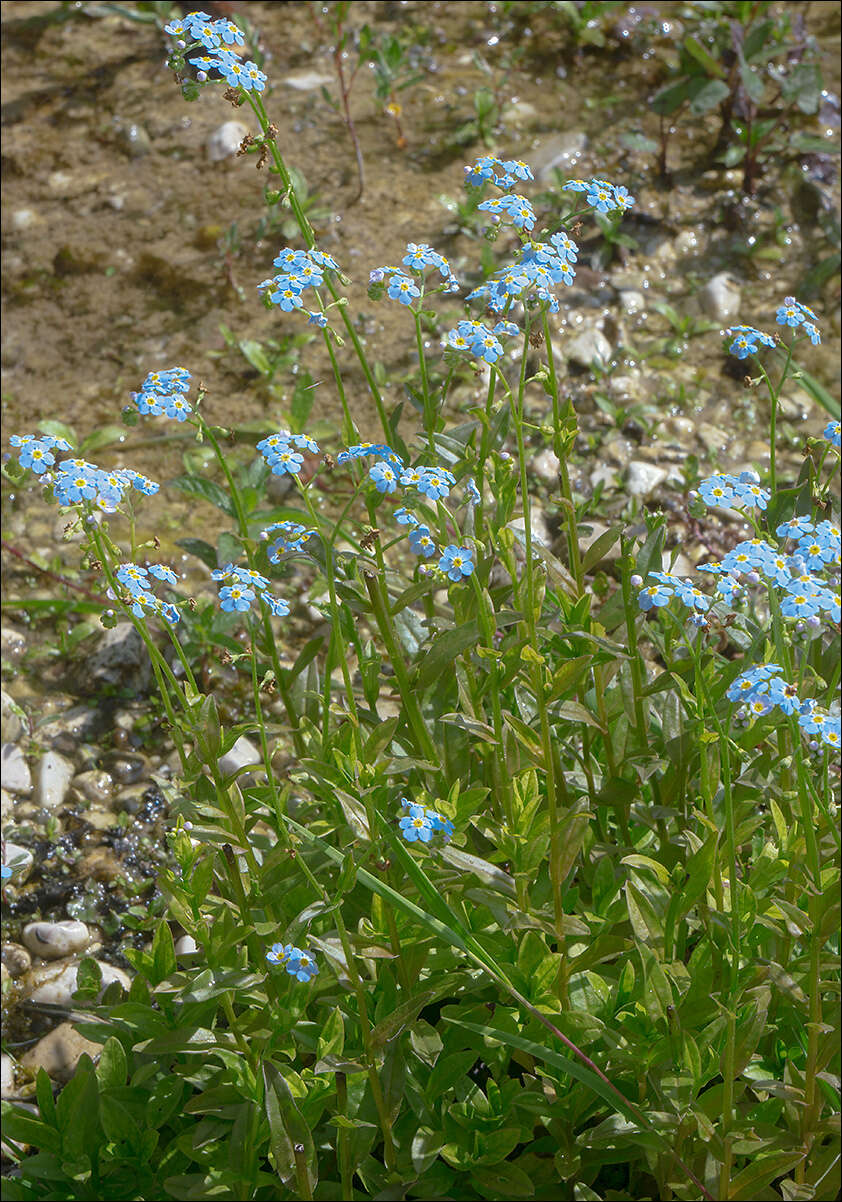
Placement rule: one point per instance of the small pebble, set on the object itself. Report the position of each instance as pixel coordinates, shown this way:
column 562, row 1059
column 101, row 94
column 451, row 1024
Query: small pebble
column 54, row 984
column 20, row 860
column 643, row 478
column 16, row 959
column 720, row 298
column 225, row 141
column 95, row 785
column 16, row 777
column 53, row 940
column 58, row 1053
column 54, row 776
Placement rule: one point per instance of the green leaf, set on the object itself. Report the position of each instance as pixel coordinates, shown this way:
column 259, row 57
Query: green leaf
column 443, row 650
column 287, row 1127
column 332, row 1035
column 407, row 1011
column 163, row 954
column 504, row 1180
column 112, row 1068
column 598, row 548
column 490, row 874
column 708, row 96
column 695, row 48
column 670, row 99
column 26, row 1128
column 198, row 486
column 751, row 1181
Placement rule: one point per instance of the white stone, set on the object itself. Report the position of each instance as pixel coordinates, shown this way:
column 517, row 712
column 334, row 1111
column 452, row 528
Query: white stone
column 588, row 347
column 537, row 524
column 643, row 478
column 242, row 755
column 559, row 151
column 225, row 141
column 8, row 1089
column 54, row 940
column 632, row 301
column 55, row 984
column 11, row 725
column 15, row 770
column 20, row 860
column 58, row 1053
column 545, row 466
column 95, row 785
column 186, row 946
column 25, row 219
column 12, row 642
column 720, row 298
column 54, row 776
column 307, row 81
column 16, row 959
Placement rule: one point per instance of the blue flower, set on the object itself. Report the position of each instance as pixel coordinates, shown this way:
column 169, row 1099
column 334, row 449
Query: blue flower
column 298, row 964
column 161, row 572
column 421, row 542
column 457, row 562
column 403, row 288
column 750, row 494
column 404, row 518
column 601, row 196
column 284, row 461
column 795, row 527
column 434, row 483
column 800, row 605
column 833, row 433
column 292, row 538
column 691, row 596
column 656, row 595
column 416, row 827
column 718, row 491
column 790, row 313
column 746, row 340
column 472, row 492
column 277, row 606
column 36, row 455
column 438, row 823
column 235, row 597
column 382, row 475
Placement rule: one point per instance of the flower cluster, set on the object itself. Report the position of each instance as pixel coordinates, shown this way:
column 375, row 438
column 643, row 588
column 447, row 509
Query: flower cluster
column 292, row 537
column 793, row 313
column 762, row 689
column 419, row 824
column 298, row 964
column 282, row 452
column 600, row 195
column 516, row 208
column 479, row 340
column 406, row 288
column 362, row 450
column 162, row 394
column 734, row 492
column 505, row 173
column 746, row 340
column 298, row 270
column 238, row 587
column 198, row 29
column 36, row 452
column 75, row 481
column 805, row 594
column 135, row 580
